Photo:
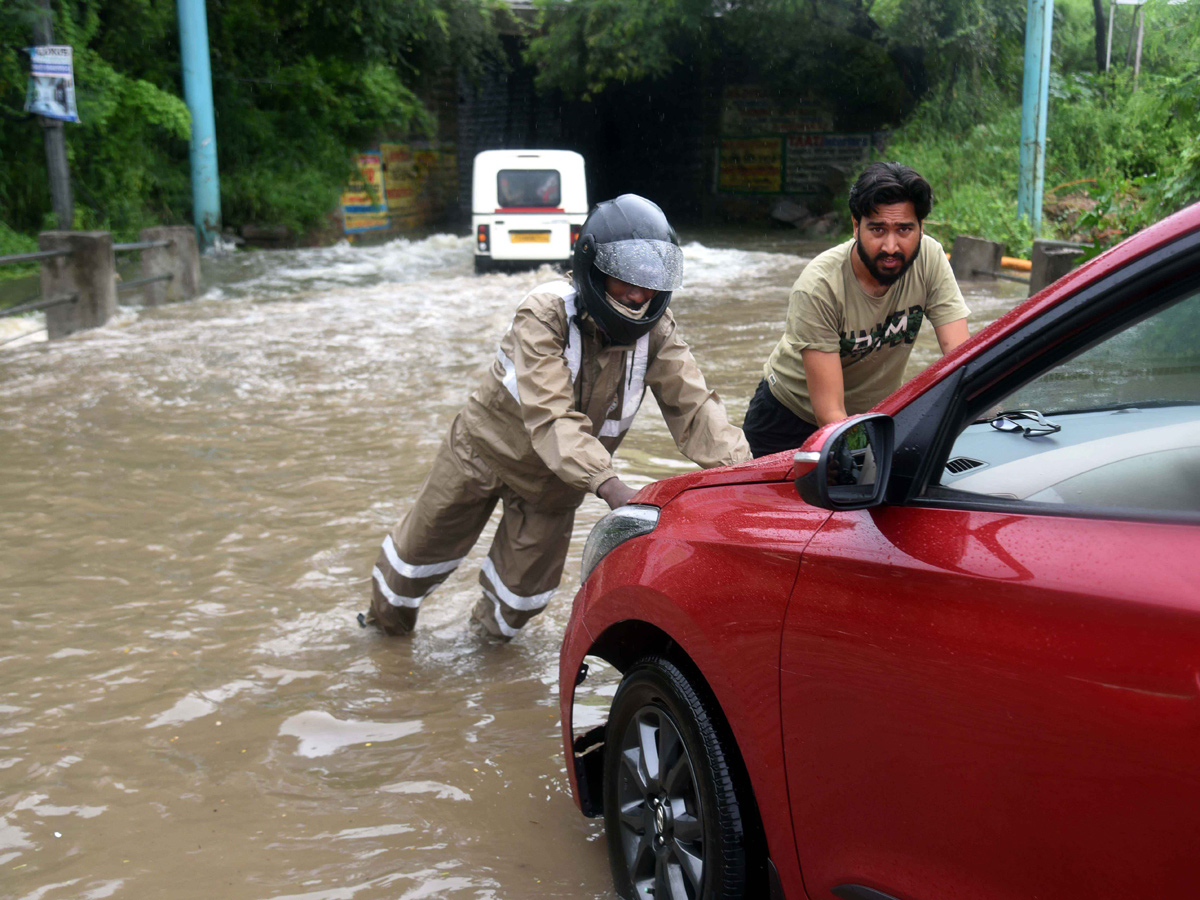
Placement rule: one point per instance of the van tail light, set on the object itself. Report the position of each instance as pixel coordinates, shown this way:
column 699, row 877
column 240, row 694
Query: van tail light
column 575, row 229
column 482, row 242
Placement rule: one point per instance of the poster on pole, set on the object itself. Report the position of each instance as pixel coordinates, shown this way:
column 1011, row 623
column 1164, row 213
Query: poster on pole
column 51, row 90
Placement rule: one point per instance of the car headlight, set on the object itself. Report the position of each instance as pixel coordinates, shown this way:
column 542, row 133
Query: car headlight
column 616, row 528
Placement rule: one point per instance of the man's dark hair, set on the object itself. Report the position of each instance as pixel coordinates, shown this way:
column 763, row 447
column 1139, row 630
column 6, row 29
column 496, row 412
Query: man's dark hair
column 883, row 183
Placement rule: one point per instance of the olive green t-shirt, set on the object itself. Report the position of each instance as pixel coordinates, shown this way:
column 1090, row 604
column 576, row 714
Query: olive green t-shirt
column 828, row 310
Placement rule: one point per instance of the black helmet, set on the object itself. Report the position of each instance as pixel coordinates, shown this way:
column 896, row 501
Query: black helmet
column 628, row 238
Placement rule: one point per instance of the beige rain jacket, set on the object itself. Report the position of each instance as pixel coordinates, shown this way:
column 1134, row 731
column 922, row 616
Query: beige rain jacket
column 557, row 402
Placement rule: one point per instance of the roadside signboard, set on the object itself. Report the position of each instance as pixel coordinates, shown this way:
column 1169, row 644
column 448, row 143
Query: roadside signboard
column 364, row 202
column 400, row 175
column 817, row 163
column 750, row 165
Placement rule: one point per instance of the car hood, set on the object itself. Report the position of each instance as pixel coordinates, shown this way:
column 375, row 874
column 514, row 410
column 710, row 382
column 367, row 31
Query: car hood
column 777, row 467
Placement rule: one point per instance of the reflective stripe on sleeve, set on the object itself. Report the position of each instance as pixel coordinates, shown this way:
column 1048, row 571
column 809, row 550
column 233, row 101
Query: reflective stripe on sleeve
column 516, row 601
column 572, row 353
column 408, row 570
column 510, row 374
column 574, row 350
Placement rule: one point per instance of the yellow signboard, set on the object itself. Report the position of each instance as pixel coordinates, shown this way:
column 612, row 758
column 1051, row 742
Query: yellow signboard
column 400, row 173
column 751, row 165
column 364, row 201
column 365, row 193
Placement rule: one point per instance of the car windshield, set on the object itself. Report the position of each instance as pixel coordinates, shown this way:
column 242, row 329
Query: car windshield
column 1114, row 428
column 1153, row 363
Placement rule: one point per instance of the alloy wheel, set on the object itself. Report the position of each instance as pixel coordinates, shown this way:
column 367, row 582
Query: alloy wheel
column 661, row 834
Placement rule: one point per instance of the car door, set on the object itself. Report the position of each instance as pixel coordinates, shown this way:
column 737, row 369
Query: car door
column 990, row 688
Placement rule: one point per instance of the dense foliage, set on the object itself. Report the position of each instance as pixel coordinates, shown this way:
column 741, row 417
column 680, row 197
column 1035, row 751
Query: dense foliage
column 830, row 51
column 1120, row 154
column 947, row 76
column 296, row 84
column 299, row 83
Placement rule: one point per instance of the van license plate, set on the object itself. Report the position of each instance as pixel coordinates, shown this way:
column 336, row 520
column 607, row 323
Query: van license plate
column 529, row 237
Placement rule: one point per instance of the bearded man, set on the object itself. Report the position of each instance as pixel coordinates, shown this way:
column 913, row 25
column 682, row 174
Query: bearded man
column 854, row 313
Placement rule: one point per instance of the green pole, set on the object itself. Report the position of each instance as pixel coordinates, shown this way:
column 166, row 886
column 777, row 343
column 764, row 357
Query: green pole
column 1035, row 103
column 197, row 91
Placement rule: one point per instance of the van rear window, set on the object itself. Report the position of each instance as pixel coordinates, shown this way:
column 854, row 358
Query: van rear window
column 529, row 188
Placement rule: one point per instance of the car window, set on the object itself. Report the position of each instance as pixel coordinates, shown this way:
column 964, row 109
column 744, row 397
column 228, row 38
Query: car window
column 1116, row 427
column 529, row 188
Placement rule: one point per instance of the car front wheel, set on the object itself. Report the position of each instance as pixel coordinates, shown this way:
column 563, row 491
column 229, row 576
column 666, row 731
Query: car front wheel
column 671, row 813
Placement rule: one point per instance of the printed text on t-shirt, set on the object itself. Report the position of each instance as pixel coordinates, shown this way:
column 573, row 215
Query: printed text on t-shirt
column 898, row 328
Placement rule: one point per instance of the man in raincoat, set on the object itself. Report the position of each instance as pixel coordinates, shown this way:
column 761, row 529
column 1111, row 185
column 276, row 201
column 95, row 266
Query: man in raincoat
column 539, row 432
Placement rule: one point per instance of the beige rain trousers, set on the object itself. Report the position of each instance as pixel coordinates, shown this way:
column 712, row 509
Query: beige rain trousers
column 524, row 564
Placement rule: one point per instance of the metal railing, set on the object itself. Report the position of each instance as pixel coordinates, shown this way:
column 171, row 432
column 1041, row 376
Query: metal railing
column 38, row 305
column 39, row 256
column 140, row 245
column 88, row 285
column 23, row 334
column 139, row 282
column 14, row 258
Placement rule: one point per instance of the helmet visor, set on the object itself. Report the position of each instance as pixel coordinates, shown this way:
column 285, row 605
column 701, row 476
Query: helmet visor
column 657, row 265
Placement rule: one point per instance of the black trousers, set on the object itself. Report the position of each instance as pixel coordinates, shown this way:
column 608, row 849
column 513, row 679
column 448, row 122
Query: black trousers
column 771, row 427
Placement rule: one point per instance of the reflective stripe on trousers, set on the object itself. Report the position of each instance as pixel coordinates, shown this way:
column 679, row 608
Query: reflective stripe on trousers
column 406, row 575
column 524, row 563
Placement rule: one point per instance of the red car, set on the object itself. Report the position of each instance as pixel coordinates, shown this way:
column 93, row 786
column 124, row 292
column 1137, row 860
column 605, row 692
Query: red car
column 948, row 650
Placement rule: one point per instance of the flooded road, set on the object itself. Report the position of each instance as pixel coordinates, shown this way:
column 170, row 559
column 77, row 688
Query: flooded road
column 191, row 500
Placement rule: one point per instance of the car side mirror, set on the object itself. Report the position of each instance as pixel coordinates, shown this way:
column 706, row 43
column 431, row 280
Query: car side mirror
column 851, row 469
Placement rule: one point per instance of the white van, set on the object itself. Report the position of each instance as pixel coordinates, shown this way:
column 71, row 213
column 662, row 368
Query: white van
column 527, row 206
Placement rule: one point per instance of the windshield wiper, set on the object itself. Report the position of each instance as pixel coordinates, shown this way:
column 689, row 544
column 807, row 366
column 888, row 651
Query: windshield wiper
column 1132, row 404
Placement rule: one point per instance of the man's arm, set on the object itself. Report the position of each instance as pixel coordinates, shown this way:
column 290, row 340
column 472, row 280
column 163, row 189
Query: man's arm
column 944, row 301
column 951, row 335
column 615, row 492
column 826, row 389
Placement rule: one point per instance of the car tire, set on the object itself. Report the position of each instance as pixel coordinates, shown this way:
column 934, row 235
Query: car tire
column 671, row 812
column 483, row 265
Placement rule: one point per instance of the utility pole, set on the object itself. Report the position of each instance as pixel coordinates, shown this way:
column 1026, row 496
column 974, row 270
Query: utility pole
column 1035, row 104
column 197, row 92
column 55, row 137
column 1137, row 31
column 1141, row 28
column 1112, row 17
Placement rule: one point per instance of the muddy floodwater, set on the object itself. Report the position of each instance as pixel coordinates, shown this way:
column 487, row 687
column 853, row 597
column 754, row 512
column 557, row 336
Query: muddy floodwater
column 191, row 500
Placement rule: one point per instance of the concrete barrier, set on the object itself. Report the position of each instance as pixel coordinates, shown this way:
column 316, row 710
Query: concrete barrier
column 89, row 272
column 1050, row 261
column 181, row 260
column 974, row 258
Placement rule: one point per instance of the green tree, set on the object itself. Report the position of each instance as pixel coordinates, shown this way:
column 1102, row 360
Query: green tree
column 298, row 86
column 831, row 51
